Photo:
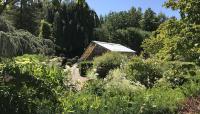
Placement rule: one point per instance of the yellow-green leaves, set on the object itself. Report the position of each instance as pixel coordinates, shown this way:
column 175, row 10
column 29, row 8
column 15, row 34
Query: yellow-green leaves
column 174, row 40
column 189, row 9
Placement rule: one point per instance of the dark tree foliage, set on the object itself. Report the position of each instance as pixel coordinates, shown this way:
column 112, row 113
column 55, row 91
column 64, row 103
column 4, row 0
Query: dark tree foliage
column 148, row 20
column 5, row 26
column 21, row 42
column 130, row 37
column 73, row 25
column 26, row 14
column 123, row 19
column 151, row 20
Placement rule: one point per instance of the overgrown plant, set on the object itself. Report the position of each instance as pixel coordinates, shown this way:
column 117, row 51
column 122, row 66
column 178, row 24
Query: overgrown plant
column 31, row 87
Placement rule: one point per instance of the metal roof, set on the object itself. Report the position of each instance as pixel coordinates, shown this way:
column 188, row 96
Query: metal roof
column 114, row 47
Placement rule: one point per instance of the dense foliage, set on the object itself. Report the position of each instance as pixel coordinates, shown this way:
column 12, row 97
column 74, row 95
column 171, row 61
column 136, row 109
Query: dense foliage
column 130, row 37
column 22, row 42
column 5, row 26
column 18, row 42
column 73, row 24
column 107, row 62
column 165, row 79
column 171, row 83
column 189, row 9
column 174, row 40
column 146, row 72
column 84, row 67
column 129, row 28
column 31, row 87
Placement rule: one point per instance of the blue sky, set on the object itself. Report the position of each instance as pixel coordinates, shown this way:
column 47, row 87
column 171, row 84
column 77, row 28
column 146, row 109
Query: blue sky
column 103, row 7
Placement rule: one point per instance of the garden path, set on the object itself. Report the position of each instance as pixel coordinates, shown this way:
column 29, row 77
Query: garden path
column 77, row 79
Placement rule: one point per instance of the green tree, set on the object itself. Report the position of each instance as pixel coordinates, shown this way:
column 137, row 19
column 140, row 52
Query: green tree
column 161, row 18
column 148, row 22
column 123, row 19
column 130, row 37
column 129, row 27
column 189, row 9
column 26, row 14
column 175, row 40
column 32, row 88
column 73, row 26
column 45, row 30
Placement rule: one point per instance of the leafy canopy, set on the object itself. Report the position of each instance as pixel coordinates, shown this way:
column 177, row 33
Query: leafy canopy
column 174, row 40
column 189, row 9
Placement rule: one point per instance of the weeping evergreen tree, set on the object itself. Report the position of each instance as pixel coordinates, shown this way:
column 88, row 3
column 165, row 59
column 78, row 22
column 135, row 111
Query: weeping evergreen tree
column 18, row 42
column 73, row 25
column 22, row 42
column 5, row 25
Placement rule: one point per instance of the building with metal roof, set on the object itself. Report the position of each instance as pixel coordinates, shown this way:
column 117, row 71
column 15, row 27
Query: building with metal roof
column 97, row 48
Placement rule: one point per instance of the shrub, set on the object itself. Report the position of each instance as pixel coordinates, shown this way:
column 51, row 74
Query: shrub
column 96, row 98
column 108, row 61
column 46, row 31
column 192, row 86
column 71, row 61
column 162, row 100
column 48, row 46
column 147, row 73
column 117, row 84
column 182, row 75
column 31, row 86
column 84, row 67
column 178, row 73
column 92, row 74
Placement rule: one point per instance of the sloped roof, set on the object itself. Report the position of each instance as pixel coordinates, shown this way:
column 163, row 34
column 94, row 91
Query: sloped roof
column 114, row 47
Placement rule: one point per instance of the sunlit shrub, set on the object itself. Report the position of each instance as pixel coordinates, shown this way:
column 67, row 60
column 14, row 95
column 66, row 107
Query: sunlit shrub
column 107, row 62
column 178, row 73
column 162, row 100
column 97, row 98
column 31, row 86
column 147, row 73
column 118, row 84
